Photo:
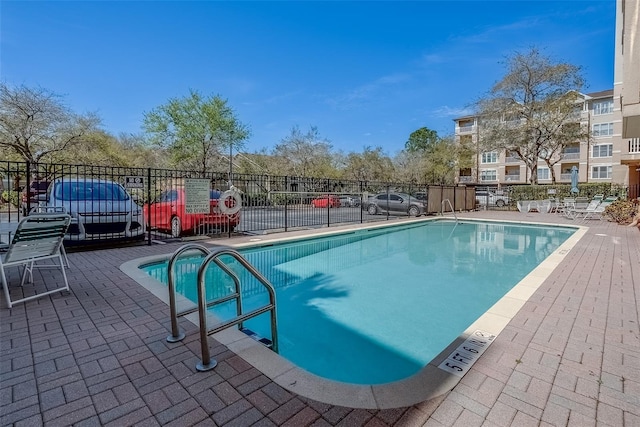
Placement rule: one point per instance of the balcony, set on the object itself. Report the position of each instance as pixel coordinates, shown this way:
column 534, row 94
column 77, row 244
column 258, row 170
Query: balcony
column 511, row 159
column 465, row 179
column 634, row 146
column 512, row 177
column 571, row 155
column 466, row 129
column 564, row 177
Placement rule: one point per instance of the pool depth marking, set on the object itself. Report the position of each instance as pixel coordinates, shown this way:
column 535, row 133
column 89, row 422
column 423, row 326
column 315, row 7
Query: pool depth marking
column 461, row 360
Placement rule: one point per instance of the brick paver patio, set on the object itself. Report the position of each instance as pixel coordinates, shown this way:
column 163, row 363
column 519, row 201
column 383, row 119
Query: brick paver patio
column 98, row 356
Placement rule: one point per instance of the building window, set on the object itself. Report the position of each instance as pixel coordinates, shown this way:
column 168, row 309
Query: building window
column 603, row 129
column 543, row 174
column 601, row 172
column 603, row 107
column 604, row 150
column 490, row 157
column 489, row 175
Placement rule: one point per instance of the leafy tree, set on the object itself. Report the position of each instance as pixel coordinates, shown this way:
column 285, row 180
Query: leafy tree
column 437, row 155
column 99, row 148
column 370, row 165
column 422, row 140
column 197, row 132
column 441, row 161
column 36, row 125
column 140, row 153
column 533, row 112
column 305, row 154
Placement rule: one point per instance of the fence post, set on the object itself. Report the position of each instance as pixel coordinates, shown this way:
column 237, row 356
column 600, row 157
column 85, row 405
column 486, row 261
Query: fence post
column 148, row 206
column 328, row 204
column 27, row 189
column 286, row 191
column 361, row 204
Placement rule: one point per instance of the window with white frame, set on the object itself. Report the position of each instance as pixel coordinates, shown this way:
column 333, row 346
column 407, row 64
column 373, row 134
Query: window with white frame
column 490, row 157
column 603, row 129
column 543, row 174
column 603, row 107
column 604, row 150
column 601, row 172
column 489, row 175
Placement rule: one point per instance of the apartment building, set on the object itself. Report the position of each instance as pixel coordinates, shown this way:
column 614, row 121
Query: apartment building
column 627, row 90
column 612, row 154
column 595, row 159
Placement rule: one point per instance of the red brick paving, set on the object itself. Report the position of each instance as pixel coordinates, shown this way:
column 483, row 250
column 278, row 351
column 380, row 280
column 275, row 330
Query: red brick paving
column 98, row 355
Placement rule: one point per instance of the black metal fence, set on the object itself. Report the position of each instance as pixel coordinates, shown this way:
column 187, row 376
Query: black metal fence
column 109, row 204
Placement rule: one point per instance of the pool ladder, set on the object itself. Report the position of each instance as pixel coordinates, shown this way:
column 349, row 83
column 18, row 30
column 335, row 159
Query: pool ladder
column 214, row 256
column 444, row 202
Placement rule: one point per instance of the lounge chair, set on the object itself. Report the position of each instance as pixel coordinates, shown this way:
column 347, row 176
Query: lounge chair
column 574, row 213
column 598, row 211
column 38, row 237
column 567, row 204
column 52, row 210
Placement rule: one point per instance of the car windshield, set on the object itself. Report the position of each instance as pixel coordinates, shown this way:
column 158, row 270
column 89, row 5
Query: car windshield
column 86, row 190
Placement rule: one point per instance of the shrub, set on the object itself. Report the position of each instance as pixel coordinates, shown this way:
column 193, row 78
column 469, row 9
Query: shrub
column 621, row 211
column 12, row 197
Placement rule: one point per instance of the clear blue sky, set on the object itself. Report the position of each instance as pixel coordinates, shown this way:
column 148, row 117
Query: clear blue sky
column 364, row 73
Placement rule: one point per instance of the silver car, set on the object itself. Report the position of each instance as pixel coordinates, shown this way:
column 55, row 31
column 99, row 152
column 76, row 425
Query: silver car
column 349, row 200
column 100, row 209
column 394, row 203
column 491, row 198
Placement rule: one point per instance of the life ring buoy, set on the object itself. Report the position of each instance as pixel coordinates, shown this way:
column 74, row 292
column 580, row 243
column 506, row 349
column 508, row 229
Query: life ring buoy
column 230, row 202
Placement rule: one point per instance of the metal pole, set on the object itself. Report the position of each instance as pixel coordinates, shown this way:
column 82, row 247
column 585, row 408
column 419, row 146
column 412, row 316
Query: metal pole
column 230, row 163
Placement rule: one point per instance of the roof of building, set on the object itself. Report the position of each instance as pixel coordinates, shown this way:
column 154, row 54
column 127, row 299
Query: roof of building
column 601, row 94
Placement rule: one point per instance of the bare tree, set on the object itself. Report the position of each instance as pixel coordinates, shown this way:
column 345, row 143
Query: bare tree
column 35, row 124
column 534, row 111
column 306, row 154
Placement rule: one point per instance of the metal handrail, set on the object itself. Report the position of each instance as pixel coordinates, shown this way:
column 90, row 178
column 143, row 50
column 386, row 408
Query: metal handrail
column 452, row 210
column 176, row 334
column 207, row 363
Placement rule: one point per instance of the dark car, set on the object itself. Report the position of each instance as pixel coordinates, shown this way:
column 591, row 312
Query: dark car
column 394, row 203
column 29, row 196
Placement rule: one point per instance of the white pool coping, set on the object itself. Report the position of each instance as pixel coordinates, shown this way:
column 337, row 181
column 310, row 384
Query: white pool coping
column 428, row 383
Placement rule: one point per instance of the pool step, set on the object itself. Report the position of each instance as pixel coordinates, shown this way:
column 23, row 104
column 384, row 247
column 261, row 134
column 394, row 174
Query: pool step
column 265, row 341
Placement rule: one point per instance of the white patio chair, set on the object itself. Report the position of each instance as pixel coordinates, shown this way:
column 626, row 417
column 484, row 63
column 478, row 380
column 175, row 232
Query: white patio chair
column 38, row 237
column 598, row 211
column 576, row 212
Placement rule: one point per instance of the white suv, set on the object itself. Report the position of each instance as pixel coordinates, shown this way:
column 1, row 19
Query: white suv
column 100, row 209
column 491, row 198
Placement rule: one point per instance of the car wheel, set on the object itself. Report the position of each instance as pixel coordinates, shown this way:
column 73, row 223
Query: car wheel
column 176, row 227
column 372, row 209
column 414, row 211
column 499, row 203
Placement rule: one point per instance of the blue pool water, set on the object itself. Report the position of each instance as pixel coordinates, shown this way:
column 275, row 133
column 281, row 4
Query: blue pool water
column 375, row 306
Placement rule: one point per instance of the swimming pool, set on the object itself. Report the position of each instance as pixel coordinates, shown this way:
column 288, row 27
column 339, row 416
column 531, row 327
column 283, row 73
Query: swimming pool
column 375, row 306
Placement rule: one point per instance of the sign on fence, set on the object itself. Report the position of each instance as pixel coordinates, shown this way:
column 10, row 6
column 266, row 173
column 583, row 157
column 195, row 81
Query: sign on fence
column 133, row 182
column 196, row 193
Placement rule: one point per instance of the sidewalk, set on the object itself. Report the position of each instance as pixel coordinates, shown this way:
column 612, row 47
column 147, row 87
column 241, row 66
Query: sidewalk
column 98, row 356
